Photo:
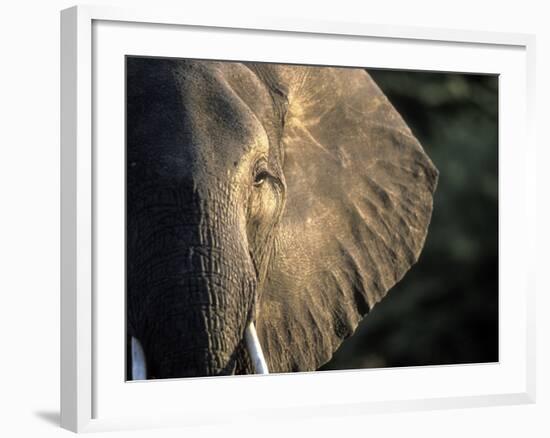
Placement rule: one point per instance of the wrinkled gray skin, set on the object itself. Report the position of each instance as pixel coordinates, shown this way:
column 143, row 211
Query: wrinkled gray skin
column 291, row 196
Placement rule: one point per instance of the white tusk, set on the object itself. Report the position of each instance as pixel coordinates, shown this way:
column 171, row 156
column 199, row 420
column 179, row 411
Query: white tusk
column 139, row 369
column 255, row 350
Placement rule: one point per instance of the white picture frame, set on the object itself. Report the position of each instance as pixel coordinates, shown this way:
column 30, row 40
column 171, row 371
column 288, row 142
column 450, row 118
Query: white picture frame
column 91, row 87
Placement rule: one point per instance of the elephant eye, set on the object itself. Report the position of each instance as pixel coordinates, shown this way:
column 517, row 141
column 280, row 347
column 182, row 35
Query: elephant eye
column 260, row 172
column 260, row 177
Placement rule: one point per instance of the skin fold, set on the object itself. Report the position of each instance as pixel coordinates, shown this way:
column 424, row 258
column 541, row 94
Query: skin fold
column 291, row 196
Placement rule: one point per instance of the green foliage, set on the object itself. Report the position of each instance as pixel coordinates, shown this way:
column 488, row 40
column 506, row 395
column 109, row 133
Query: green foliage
column 445, row 310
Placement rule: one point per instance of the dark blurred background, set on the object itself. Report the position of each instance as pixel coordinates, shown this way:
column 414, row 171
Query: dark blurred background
column 445, row 309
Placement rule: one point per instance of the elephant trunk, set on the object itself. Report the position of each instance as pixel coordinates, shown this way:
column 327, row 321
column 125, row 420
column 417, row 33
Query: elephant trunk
column 191, row 298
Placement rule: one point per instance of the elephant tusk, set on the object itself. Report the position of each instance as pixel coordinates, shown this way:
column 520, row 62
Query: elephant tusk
column 255, row 350
column 139, row 368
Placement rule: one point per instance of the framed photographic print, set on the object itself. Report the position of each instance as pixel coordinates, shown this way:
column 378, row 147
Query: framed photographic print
column 252, row 209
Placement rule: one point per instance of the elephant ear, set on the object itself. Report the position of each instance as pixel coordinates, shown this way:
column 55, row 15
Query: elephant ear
column 358, row 204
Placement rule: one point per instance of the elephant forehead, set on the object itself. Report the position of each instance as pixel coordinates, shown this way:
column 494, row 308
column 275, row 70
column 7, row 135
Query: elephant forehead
column 224, row 105
column 188, row 117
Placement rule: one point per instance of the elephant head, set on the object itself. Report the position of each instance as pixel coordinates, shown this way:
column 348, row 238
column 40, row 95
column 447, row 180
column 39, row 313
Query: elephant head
column 293, row 197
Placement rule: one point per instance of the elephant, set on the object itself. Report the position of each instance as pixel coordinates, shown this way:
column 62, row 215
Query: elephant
column 284, row 199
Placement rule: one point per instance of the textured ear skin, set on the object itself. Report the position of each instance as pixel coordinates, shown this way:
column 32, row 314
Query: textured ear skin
column 358, row 205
